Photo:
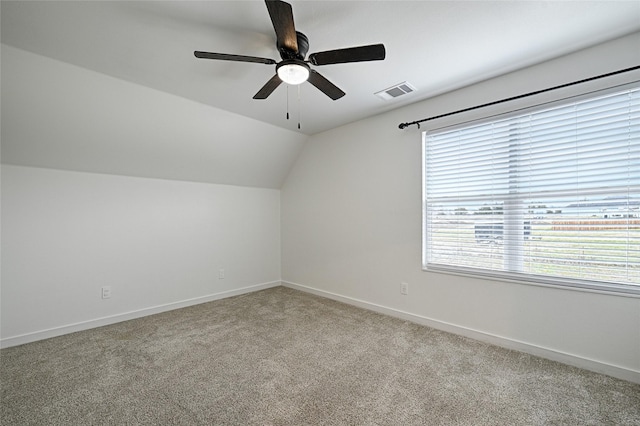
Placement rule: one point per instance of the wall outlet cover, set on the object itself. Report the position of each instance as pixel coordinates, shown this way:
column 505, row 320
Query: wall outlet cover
column 106, row 292
column 404, row 288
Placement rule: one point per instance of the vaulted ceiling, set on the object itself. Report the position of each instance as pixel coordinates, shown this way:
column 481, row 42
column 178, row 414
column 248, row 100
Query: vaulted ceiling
column 437, row 46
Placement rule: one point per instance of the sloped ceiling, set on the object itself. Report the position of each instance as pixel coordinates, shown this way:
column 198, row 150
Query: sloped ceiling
column 60, row 116
column 184, row 118
column 435, row 45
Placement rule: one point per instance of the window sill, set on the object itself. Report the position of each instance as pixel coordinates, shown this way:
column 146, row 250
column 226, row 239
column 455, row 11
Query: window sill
column 609, row 289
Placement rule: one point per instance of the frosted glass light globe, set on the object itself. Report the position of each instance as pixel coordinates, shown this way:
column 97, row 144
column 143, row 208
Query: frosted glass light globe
column 293, row 73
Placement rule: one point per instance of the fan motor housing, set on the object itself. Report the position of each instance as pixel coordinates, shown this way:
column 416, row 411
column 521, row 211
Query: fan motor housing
column 303, row 48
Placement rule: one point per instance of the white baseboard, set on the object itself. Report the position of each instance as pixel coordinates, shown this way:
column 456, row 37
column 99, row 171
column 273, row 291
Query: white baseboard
column 554, row 355
column 551, row 354
column 99, row 322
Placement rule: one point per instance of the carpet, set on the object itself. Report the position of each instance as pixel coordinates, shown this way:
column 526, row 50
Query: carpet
column 285, row 357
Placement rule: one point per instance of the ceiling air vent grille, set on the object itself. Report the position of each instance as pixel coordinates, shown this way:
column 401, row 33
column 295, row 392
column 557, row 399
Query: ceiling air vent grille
column 395, row 91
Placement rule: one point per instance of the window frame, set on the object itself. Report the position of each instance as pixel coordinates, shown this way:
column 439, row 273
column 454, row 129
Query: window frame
column 629, row 290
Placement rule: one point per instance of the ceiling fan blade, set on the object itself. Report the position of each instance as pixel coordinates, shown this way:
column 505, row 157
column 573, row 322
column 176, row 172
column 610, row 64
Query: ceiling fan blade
column 282, row 18
column 373, row 52
column 268, row 88
column 228, row 57
column 325, row 86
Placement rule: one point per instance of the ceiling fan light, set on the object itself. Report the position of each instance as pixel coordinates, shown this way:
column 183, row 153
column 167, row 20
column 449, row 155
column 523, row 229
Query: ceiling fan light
column 293, row 73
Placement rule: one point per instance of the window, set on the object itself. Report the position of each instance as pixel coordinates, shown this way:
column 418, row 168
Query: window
column 549, row 195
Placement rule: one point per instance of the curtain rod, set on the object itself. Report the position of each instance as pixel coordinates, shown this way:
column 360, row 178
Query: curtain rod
column 417, row 123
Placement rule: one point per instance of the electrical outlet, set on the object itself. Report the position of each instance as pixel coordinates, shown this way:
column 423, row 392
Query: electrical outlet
column 221, row 274
column 404, row 288
column 106, row 292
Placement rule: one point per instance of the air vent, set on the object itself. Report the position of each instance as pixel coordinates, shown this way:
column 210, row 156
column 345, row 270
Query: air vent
column 395, row 91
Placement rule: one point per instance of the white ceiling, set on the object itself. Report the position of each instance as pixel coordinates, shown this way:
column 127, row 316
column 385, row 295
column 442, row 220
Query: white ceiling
column 437, row 46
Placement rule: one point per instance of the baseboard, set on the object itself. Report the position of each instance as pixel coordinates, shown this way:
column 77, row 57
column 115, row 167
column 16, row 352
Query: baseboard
column 99, row 322
column 551, row 354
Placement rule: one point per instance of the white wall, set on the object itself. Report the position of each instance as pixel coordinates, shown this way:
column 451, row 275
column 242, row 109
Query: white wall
column 351, row 230
column 159, row 244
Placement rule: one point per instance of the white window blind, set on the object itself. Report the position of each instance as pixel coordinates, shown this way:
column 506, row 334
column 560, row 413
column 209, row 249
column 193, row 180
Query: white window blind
column 550, row 195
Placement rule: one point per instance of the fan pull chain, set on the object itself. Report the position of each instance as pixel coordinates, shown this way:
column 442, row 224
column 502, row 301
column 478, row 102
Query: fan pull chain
column 299, row 106
column 287, row 101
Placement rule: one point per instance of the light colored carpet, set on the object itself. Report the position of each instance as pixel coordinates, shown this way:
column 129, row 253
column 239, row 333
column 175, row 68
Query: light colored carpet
column 283, row 357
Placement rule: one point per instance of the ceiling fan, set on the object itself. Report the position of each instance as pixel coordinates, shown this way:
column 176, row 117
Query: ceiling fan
column 293, row 47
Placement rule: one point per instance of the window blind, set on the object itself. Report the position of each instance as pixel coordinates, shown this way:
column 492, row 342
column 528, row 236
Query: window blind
column 551, row 194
